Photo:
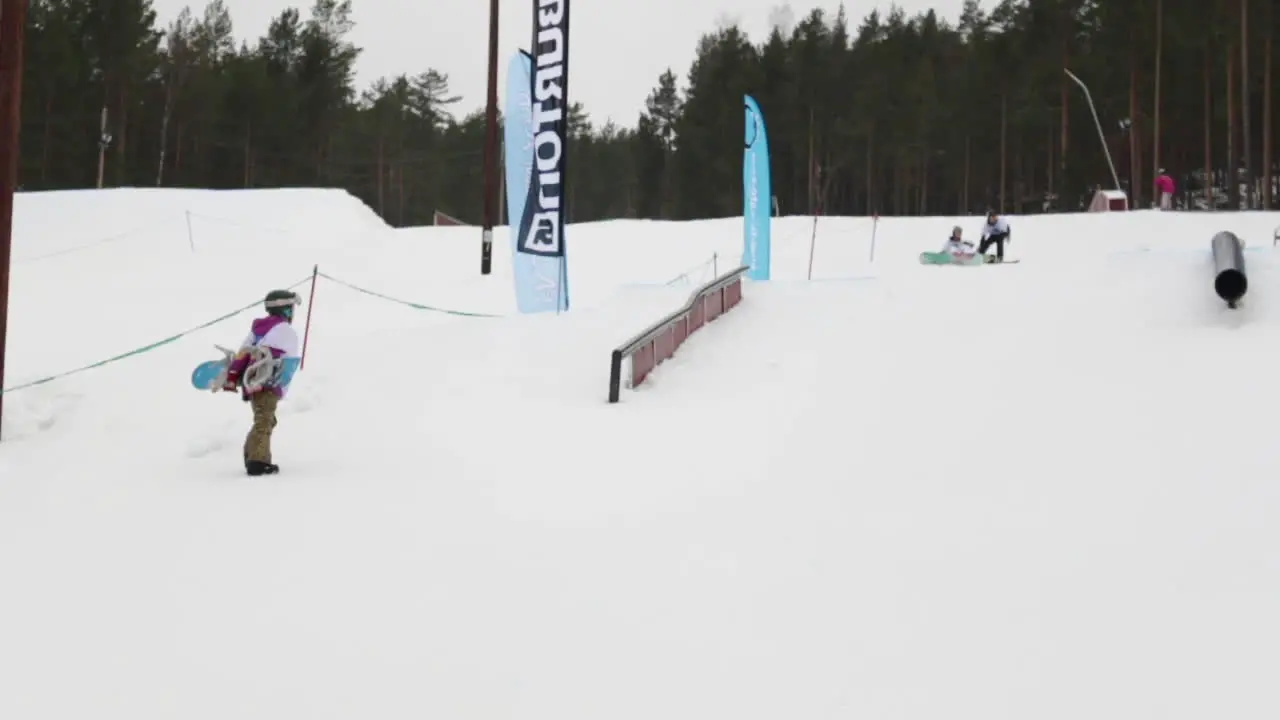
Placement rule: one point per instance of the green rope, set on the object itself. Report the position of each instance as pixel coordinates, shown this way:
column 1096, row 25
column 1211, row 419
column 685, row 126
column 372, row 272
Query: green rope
column 145, row 348
column 228, row 316
column 406, row 303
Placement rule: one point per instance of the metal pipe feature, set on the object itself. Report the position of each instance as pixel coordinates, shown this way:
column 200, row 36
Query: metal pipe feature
column 1229, row 279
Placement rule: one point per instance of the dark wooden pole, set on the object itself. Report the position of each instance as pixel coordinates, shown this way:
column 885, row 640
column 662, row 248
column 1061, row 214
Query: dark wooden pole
column 13, row 21
column 490, row 146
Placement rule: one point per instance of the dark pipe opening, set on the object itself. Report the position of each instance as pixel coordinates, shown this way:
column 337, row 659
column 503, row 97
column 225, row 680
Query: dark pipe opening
column 1231, row 285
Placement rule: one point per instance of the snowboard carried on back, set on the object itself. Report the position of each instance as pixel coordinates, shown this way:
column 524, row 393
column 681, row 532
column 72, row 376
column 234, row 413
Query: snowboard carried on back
column 943, row 258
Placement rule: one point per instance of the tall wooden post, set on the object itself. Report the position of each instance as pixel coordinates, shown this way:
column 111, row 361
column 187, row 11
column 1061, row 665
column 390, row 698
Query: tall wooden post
column 1246, row 127
column 490, row 147
column 1268, row 197
column 13, row 22
column 1155, row 129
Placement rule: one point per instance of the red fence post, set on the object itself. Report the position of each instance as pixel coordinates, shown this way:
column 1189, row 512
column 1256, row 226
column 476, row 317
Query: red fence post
column 306, row 333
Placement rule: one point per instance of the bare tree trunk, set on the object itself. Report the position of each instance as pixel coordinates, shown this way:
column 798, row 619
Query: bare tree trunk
column 1208, row 128
column 964, row 192
column 811, row 166
column 382, row 197
column 102, row 147
column 248, row 156
column 164, row 130
column 1155, row 118
column 1233, row 176
column 871, row 145
column 1135, row 147
column 1063, row 100
column 177, row 149
column 122, row 128
column 45, row 143
column 1245, row 140
column 1019, row 182
column 400, row 182
column 1268, row 197
column 901, row 204
column 924, row 181
column 824, row 189
column 1048, row 166
column 910, row 188
column 1004, row 150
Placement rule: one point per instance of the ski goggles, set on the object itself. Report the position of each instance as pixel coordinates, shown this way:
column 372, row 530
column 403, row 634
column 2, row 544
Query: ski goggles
column 291, row 302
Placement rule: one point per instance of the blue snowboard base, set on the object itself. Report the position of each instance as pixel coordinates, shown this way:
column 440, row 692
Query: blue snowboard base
column 207, row 375
column 211, row 374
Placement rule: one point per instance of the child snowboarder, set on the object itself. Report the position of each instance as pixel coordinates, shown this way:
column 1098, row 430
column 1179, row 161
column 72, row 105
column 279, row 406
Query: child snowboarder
column 262, row 371
column 956, row 247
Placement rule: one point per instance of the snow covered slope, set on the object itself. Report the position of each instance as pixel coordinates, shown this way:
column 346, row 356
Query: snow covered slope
column 902, row 493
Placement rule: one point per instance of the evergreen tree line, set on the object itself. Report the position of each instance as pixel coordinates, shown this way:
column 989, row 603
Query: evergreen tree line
column 898, row 115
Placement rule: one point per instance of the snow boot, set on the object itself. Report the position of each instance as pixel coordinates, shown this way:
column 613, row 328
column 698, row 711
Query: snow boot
column 254, row 467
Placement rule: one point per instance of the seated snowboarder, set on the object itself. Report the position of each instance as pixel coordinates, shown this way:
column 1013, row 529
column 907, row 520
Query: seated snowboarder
column 956, row 247
column 262, row 371
column 995, row 232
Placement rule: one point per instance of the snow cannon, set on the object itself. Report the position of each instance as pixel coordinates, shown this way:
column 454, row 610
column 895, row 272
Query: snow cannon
column 1229, row 280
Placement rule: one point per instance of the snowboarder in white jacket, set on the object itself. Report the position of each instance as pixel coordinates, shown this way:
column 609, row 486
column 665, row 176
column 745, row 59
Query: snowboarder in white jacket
column 995, row 232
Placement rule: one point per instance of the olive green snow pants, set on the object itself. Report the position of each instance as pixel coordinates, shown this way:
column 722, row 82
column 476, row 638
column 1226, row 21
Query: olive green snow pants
column 257, row 445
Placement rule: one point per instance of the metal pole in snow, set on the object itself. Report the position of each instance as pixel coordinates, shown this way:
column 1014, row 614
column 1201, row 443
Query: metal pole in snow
column 1097, row 123
column 561, row 279
column 813, row 238
column 875, row 223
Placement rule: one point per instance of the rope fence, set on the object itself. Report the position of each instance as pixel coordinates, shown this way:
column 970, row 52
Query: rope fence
column 406, row 303
column 227, row 316
column 145, row 348
column 310, row 278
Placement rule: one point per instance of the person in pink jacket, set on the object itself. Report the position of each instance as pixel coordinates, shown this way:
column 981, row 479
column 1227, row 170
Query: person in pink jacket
column 1165, row 187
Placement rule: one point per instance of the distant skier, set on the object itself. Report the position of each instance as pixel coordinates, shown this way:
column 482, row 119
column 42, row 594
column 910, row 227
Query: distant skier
column 995, row 232
column 1166, row 188
column 262, row 371
column 958, row 248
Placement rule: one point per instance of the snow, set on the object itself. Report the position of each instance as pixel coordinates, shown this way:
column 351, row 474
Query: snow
column 1041, row 491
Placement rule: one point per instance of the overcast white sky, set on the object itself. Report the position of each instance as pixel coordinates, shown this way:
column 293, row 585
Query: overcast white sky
column 618, row 48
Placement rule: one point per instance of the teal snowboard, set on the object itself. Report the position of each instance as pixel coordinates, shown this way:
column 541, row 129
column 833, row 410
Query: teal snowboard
column 942, row 258
column 211, row 375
